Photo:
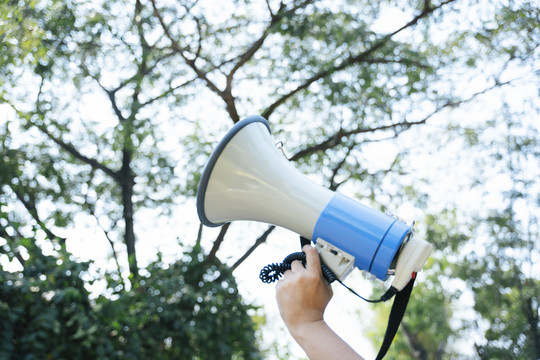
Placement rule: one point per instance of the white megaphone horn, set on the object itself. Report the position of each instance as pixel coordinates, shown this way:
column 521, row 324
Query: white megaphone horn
column 248, row 178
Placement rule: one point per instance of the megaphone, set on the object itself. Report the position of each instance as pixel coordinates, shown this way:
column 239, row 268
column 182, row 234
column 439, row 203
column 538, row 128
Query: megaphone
column 248, row 178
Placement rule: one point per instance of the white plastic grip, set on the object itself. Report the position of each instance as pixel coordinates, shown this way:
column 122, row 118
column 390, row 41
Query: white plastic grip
column 340, row 262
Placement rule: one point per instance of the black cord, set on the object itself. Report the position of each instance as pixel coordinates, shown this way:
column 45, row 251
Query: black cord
column 273, row 272
column 385, row 297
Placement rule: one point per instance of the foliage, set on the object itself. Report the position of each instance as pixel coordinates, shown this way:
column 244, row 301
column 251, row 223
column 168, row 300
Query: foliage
column 192, row 312
column 46, row 311
column 176, row 311
column 502, row 272
column 109, row 110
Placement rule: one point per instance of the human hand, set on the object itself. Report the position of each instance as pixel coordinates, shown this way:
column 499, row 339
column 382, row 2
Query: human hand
column 303, row 293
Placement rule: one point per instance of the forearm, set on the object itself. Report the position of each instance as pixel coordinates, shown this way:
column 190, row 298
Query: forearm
column 321, row 342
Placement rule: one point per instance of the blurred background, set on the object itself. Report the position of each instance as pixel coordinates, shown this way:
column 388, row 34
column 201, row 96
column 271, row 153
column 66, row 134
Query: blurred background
column 110, row 109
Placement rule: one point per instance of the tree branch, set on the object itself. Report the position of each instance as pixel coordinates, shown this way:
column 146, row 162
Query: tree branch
column 217, row 243
column 226, row 94
column 91, row 208
column 18, row 256
column 398, row 127
column 274, row 20
column 351, row 60
column 178, row 49
column 246, row 56
column 167, row 92
column 67, row 147
column 261, row 239
column 75, row 153
column 30, row 206
column 333, row 184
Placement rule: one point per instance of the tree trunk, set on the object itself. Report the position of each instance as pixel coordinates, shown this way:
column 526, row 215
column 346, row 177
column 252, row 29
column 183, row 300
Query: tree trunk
column 418, row 350
column 532, row 318
column 127, row 182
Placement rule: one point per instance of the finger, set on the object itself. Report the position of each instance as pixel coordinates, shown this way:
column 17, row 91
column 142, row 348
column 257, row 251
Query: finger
column 312, row 259
column 279, row 284
column 286, row 274
column 296, row 266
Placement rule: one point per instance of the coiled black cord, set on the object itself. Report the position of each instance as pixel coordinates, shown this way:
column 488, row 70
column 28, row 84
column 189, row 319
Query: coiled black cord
column 273, row 272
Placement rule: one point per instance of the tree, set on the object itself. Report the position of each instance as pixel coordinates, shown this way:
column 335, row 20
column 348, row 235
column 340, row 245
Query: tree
column 501, row 272
column 174, row 311
column 332, row 78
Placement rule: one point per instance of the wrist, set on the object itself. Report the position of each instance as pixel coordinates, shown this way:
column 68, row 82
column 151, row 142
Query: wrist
column 304, row 327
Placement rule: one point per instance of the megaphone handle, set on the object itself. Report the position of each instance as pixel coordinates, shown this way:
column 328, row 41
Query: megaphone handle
column 327, row 272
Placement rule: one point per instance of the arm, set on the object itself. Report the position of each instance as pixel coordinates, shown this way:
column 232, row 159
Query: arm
column 302, row 295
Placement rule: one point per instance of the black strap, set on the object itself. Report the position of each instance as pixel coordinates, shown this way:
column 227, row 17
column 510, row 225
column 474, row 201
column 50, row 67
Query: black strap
column 396, row 315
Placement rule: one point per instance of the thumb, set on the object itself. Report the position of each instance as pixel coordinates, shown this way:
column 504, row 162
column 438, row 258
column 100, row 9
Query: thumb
column 313, row 262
